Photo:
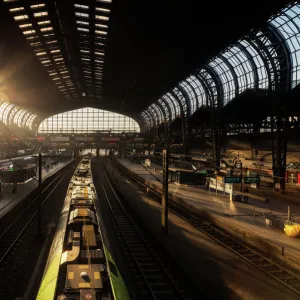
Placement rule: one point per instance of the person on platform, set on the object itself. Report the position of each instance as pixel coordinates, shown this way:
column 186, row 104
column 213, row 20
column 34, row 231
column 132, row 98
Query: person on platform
column 15, row 186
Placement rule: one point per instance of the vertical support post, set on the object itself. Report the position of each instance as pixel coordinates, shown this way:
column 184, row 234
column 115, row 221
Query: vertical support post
column 40, row 169
column 183, row 131
column 241, row 176
column 97, row 152
column 164, row 211
column 279, row 149
column 289, row 213
column 40, row 200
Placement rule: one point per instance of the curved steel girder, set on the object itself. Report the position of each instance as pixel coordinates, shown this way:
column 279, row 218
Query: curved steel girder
column 207, row 90
column 172, row 101
column 254, row 46
column 154, row 115
column 162, row 111
column 195, row 95
column 268, row 55
column 12, row 114
column 7, row 111
column 186, row 99
column 157, row 112
column 20, row 117
column 219, row 103
column 29, row 120
column 285, row 51
column 179, row 103
column 25, row 118
column 253, row 65
column 231, row 68
column 168, row 108
column 150, row 117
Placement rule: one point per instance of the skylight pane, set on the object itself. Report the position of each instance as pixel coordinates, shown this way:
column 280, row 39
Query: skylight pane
column 101, row 32
column 46, row 29
column 25, row 25
column 104, row 18
column 27, row 32
column 40, row 14
column 16, row 9
column 81, row 6
column 37, row 6
column 43, row 23
column 104, row 1
column 102, row 10
column 83, row 29
column 20, row 17
column 82, row 23
column 41, row 53
column 83, row 15
column 101, row 25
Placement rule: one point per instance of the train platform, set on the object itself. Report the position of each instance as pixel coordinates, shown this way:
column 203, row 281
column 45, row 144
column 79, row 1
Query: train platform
column 8, row 200
column 219, row 273
column 150, row 174
column 251, row 218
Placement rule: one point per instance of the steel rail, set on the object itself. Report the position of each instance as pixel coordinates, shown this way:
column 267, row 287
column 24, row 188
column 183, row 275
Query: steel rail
column 155, row 277
column 278, row 272
column 28, row 222
column 29, row 206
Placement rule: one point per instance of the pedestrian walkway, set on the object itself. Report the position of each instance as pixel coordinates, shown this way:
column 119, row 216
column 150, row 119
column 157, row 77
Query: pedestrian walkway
column 249, row 217
column 218, row 273
column 141, row 170
column 8, row 200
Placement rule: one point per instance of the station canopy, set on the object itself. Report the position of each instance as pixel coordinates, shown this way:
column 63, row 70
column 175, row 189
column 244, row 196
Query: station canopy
column 120, row 56
column 88, row 120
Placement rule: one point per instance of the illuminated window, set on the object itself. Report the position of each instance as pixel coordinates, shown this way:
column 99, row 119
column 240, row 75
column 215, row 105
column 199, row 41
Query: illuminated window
column 103, row 18
column 88, row 120
column 102, row 9
column 40, row 14
column 25, row 25
column 81, row 6
column 37, row 6
column 82, row 15
column 22, row 17
column 28, row 32
column 16, row 9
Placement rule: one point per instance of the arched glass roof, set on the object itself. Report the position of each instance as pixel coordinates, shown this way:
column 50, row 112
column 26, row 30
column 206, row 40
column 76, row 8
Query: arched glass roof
column 88, row 120
column 11, row 114
column 253, row 62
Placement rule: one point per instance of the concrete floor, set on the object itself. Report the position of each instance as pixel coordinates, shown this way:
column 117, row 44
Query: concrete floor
column 217, row 271
column 242, row 214
column 8, row 200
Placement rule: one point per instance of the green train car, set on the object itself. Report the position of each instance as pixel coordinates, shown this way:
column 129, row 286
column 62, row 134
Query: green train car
column 80, row 265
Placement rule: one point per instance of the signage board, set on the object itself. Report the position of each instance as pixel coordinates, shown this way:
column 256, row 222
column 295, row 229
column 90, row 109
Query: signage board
column 251, row 180
column 109, row 139
column 59, row 138
column 233, row 180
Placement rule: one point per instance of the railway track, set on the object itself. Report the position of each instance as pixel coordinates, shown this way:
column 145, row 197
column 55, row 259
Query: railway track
column 13, row 234
column 278, row 272
column 153, row 278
